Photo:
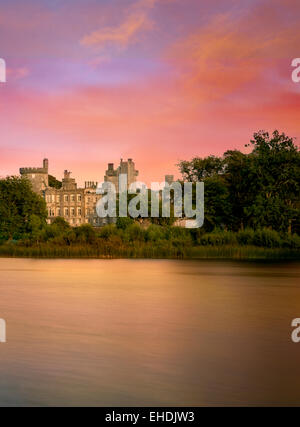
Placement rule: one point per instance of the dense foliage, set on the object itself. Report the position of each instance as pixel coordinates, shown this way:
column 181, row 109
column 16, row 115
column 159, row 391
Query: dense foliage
column 131, row 239
column 53, row 182
column 259, row 189
column 22, row 212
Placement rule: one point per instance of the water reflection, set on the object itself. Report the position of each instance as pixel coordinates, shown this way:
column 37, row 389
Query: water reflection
column 148, row 332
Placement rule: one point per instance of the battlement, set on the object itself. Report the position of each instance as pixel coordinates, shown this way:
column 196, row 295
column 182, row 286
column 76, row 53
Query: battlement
column 38, row 176
column 43, row 170
column 27, row 171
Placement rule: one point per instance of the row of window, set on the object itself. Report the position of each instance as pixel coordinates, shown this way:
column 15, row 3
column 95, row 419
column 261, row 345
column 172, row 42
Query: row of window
column 52, row 198
column 70, row 212
column 66, row 212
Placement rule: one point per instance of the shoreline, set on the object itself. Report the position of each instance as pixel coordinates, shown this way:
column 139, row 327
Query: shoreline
column 224, row 252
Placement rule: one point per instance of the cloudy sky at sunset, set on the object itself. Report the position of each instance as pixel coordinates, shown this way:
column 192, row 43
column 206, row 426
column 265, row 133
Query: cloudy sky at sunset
column 90, row 81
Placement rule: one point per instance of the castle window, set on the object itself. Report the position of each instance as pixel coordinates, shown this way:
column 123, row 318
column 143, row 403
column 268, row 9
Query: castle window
column 58, row 199
column 79, row 211
column 66, row 198
column 79, row 197
column 72, row 198
column 66, row 212
column 72, row 212
column 58, row 212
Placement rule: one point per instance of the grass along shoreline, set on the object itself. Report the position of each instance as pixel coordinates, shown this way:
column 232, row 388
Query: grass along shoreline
column 247, row 252
column 131, row 240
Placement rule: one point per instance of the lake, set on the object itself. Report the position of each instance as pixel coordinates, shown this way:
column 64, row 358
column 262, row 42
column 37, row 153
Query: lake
column 148, row 333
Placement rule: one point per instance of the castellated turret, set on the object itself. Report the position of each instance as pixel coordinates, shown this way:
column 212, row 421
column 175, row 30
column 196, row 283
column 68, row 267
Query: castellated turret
column 37, row 176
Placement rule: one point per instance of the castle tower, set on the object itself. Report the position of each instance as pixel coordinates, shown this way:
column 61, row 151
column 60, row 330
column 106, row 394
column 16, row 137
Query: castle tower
column 37, row 176
column 128, row 168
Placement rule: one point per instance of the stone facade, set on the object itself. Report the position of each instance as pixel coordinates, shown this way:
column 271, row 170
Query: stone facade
column 76, row 205
column 66, row 202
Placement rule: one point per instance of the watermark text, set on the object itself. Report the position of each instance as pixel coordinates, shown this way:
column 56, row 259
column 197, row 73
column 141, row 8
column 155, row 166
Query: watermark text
column 2, row 71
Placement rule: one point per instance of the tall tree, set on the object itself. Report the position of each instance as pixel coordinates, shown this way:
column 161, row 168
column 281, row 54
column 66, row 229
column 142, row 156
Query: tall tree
column 259, row 189
column 22, row 212
column 275, row 168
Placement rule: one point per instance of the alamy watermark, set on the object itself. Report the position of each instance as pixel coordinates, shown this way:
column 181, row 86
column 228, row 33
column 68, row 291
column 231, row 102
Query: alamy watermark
column 296, row 72
column 187, row 200
column 2, row 71
column 2, row 331
column 295, row 336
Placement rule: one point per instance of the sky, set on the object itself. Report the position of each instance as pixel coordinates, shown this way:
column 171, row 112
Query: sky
column 159, row 81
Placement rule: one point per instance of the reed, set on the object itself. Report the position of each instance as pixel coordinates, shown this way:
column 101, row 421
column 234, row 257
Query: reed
column 147, row 250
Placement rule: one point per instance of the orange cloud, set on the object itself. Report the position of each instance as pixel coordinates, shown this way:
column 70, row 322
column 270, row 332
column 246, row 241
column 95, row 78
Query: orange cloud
column 234, row 50
column 120, row 36
column 124, row 34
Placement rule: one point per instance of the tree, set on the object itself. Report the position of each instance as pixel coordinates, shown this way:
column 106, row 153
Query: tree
column 198, row 169
column 22, row 212
column 85, row 234
column 54, row 183
column 275, row 169
column 241, row 187
column 259, row 189
column 124, row 222
column 217, row 206
column 210, row 170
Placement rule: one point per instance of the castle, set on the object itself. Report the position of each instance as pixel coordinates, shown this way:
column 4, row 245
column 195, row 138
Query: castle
column 76, row 205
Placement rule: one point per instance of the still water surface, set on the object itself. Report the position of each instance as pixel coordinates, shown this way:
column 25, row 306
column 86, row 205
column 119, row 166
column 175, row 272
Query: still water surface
column 148, row 332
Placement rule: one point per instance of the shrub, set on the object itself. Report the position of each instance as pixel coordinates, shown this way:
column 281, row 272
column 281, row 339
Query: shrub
column 123, row 223
column 107, row 231
column 155, row 233
column 267, row 238
column 245, row 237
column 217, row 238
column 135, row 233
column 293, row 241
column 85, row 234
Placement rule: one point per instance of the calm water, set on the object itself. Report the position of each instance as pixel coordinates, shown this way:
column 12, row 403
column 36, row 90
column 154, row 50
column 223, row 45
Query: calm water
column 147, row 332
